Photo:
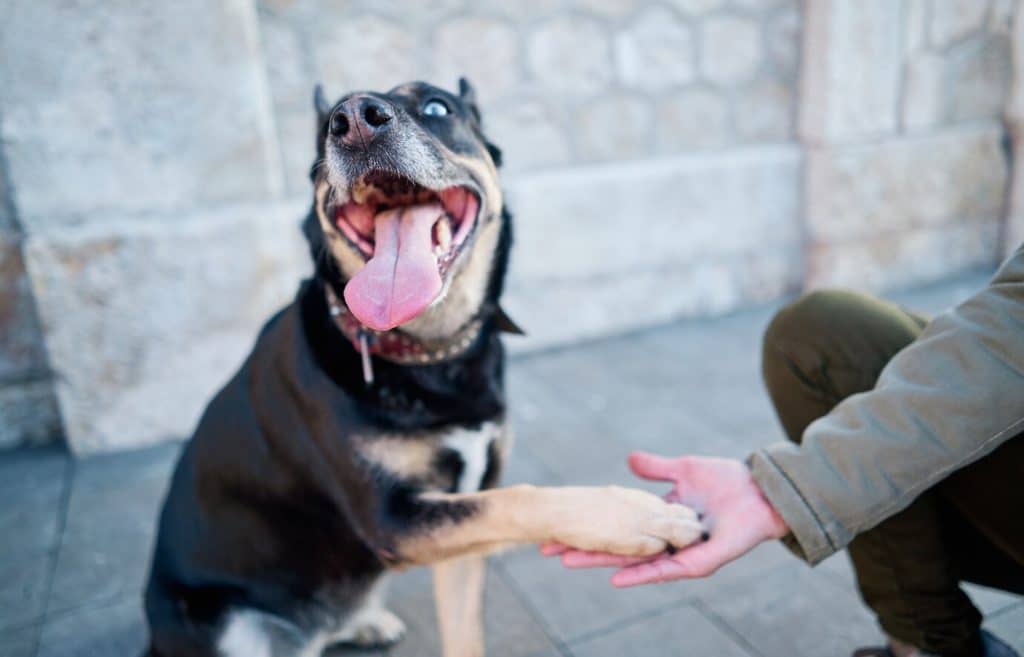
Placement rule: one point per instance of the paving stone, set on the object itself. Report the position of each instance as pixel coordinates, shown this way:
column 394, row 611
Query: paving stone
column 485, row 50
column 570, row 55
column 510, row 627
column 112, row 518
column 578, row 603
column 23, row 590
column 614, row 128
column 655, row 51
column 1009, row 626
column 20, row 642
column 364, row 52
column 609, row 7
column 682, row 631
column 820, row 617
column 32, row 483
column 96, row 631
column 731, row 50
column 693, row 119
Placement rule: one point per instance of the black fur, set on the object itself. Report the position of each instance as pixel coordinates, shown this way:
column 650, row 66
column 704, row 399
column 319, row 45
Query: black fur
column 270, row 507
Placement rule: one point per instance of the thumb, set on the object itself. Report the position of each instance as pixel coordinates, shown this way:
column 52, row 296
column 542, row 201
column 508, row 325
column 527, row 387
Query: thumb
column 653, row 467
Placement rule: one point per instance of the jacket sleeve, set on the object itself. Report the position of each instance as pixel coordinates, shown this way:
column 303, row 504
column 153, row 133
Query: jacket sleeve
column 945, row 401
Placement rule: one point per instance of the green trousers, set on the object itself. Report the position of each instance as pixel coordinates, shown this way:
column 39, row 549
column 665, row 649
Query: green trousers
column 967, row 528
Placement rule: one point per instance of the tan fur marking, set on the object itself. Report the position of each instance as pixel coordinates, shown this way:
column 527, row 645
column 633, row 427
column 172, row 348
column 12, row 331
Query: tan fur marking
column 458, row 596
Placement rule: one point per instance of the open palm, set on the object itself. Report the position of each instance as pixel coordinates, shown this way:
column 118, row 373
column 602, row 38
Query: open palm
column 736, row 514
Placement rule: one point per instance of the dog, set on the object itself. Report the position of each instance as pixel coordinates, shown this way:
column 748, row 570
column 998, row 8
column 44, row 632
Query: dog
column 366, row 430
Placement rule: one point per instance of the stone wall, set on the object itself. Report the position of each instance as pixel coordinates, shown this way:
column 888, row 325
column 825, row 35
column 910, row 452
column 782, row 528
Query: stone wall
column 158, row 165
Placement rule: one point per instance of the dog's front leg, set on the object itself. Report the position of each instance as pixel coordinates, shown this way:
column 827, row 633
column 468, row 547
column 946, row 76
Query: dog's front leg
column 607, row 519
column 458, row 594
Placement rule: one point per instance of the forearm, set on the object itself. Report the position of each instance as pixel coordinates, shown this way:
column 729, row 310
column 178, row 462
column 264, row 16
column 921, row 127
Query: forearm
column 949, row 399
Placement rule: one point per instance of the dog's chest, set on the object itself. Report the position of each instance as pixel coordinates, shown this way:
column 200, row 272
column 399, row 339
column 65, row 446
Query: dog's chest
column 455, row 459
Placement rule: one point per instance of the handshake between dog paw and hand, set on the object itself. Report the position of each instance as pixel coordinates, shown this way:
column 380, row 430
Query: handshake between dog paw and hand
column 714, row 514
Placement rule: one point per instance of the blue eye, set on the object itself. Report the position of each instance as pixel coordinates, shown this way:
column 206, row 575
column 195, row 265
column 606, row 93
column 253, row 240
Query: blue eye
column 435, row 108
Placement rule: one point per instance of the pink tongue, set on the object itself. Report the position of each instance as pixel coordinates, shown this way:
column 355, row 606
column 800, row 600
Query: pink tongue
column 401, row 279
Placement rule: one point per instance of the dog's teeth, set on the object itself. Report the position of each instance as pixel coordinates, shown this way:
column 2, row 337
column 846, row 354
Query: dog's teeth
column 443, row 234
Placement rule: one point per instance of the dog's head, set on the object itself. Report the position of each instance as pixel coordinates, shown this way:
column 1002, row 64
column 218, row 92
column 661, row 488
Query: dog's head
column 407, row 206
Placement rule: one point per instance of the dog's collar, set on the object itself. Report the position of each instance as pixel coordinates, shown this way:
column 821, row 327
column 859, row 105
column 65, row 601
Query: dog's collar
column 398, row 346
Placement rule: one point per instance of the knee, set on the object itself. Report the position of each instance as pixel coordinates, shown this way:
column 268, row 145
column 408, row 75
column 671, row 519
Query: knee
column 794, row 329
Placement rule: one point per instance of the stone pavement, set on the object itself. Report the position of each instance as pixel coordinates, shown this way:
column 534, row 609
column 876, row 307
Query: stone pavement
column 76, row 534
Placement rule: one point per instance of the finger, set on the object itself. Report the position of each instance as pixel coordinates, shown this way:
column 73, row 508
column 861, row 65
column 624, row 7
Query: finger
column 653, row 467
column 694, row 562
column 553, row 548
column 584, row 559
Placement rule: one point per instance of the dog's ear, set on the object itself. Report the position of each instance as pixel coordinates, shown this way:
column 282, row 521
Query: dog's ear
column 320, row 104
column 468, row 96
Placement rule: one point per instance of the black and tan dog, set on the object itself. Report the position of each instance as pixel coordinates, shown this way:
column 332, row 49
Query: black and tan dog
column 346, row 446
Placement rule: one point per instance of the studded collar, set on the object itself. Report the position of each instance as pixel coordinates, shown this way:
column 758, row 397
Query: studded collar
column 395, row 345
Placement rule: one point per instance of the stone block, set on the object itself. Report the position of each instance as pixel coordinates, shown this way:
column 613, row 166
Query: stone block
column 646, row 217
column 612, row 8
column 924, row 98
column 363, row 52
column 697, row 7
column 570, row 56
column 21, row 347
column 897, row 259
column 614, row 128
column 851, row 77
column 978, row 76
column 765, row 111
column 782, row 41
column 530, row 133
column 29, row 412
column 932, row 180
column 485, row 50
column 685, row 629
column 730, row 49
column 693, row 119
column 952, row 20
column 655, row 51
column 123, row 117
column 162, row 314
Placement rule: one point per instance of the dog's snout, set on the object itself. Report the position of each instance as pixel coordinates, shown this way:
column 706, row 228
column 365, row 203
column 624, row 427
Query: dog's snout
column 360, row 119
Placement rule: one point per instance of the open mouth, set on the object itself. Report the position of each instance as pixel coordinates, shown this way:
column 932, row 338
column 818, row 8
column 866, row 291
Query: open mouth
column 410, row 236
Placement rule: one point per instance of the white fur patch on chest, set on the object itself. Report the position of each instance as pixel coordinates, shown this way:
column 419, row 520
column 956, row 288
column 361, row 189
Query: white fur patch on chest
column 244, row 635
column 473, row 447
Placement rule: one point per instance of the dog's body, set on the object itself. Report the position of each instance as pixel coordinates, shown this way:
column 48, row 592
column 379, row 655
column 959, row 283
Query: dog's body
column 339, row 452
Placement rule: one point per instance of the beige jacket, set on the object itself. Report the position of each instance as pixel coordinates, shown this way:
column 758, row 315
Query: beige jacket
column 947, row 400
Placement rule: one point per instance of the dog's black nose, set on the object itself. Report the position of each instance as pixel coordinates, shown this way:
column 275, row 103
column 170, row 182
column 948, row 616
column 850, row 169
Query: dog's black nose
column 360, row 119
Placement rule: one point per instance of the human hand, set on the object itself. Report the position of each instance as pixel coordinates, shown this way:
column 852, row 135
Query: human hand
column 735, row 511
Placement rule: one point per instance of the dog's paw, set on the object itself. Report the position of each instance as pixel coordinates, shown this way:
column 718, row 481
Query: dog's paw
column 374, row 628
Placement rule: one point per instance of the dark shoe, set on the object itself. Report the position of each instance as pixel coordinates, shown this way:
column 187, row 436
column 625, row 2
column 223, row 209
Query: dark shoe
column 993, row 645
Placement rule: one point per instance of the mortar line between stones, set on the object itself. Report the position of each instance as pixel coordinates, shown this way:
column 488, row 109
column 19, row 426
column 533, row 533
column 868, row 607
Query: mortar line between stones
column 524, row 599
column 726, row 628
column 55, row 550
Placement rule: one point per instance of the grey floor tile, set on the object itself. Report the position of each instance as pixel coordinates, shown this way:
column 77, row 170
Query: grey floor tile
column 575, row 603
column 23, row 584
column 111, row 522
column 668, row 633
column 96, row 631
column 511, row 630
column 20, row 642
column 1008, row 625
column 989, row 600
column 32, row 485
column 795, row 612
